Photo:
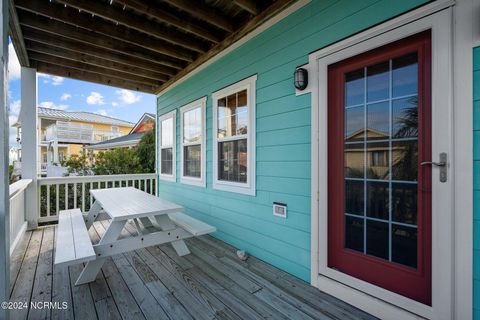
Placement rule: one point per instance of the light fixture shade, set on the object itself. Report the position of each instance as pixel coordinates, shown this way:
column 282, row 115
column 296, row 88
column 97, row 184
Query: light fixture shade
column 300, row 78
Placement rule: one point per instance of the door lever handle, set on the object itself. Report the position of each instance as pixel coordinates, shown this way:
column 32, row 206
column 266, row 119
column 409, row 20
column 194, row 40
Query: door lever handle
column 442, row 164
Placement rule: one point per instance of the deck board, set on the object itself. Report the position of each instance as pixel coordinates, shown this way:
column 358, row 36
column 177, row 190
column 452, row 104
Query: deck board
column 155, row 283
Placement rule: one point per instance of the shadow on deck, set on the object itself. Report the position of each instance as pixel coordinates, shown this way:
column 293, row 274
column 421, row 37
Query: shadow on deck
column 154, row 283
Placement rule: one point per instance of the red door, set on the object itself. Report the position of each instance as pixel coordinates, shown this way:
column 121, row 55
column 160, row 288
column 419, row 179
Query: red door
column 379, row 208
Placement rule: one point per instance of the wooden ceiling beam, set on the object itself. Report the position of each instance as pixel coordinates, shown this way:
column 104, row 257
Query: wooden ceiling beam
column 166, row 67
column 40, row 22
column 247, row 5
column 251, row 25
column 112, row 13
column 94, row 69
column 34, row 46
column 15, row 32
column 212, row 16
column 182, row 23
column 73, row 17
column 61, row 71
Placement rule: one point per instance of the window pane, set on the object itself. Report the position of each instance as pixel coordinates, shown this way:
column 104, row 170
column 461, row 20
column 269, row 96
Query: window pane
column 377, row 200
column 232, row 161
column 192, row 161
column 192, row 125
column 405, row 117
column 378, row 121
column 404, row 245
column 377, row 160
column 354, row 233
column 354, row 158
column 167, row 128
column 167, row 161
column 405, row 160
column 233, row 115
column 354, row 88
column 354, row 124
column 354, row 197
column 404, row 203
column 377, row 239
column 405, row 75
column 378, row 82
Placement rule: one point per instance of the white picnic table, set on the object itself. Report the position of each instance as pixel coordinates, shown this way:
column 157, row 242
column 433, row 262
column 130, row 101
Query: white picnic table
column 157, row 221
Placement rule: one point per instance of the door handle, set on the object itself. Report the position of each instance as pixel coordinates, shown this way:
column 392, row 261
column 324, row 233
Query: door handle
column 442, row 164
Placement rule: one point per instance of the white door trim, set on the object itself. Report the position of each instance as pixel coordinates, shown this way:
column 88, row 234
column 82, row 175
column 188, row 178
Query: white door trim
column 370, row 298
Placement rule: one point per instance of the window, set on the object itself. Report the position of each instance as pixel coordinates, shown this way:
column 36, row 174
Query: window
column 192, row 138
column 61, row 156
column 115, row 129
column 167, row 131
column 234, row 137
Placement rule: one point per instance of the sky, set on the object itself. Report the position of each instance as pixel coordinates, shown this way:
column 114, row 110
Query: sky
column 73, row 95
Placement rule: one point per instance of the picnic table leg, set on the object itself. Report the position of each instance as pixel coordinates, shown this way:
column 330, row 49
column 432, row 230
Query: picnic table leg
column 92, row 214
column 166, row 224
column 90, row 271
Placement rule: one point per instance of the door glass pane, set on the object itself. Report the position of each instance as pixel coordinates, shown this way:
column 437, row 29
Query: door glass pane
column 192, row 161
column 233, row 115
column 232, row 161
column 378, row 81
column 192, row 125
column 381, row 159
column 354, row 233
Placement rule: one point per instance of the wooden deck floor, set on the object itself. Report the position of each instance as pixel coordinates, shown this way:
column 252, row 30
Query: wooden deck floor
column 154, row 283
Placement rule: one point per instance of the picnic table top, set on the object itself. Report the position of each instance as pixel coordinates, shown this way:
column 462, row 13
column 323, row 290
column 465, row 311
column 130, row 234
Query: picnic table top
column 129, row 203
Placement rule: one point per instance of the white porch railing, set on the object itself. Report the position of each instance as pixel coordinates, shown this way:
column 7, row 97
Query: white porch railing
column 57, row 194
column 76, row 132
column 18, row 223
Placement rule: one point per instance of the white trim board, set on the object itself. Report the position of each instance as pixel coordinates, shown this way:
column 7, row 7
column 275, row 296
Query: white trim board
column 267, row 24
column 378, row 301
column 162, row 176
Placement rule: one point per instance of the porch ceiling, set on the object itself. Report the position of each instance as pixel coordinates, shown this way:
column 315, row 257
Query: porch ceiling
column 142, row 45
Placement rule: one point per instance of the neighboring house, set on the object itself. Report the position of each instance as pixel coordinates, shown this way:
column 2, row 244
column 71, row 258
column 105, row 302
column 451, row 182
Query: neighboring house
column 65, row 133
column 145, row 124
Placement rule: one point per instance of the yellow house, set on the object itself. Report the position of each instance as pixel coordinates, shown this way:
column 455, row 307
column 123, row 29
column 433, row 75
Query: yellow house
column 64, row 133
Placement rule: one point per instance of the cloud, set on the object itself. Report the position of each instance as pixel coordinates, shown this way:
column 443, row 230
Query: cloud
column 95, row 98
column 14, row 68
column 127, row 96
column 102, row 112
column 65, row 96
column 114, row 104
column 54, row 80
column 52, row 105
column 12, row 119
column 15, row 107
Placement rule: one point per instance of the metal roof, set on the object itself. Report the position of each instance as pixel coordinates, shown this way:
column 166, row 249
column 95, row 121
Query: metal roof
column 123, row 141
column 80, row 116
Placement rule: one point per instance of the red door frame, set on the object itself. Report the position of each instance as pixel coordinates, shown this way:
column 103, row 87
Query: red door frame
column 406, row 281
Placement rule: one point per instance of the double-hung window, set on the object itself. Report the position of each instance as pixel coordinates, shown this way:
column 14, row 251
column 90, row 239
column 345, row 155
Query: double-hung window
column 167, row 141
column 192, row 137
column 234, row 137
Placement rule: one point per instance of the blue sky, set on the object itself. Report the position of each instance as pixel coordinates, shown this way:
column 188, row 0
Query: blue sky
column 73, row 95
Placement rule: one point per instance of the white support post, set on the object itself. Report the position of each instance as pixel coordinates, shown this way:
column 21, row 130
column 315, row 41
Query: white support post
column 4, row 180
column 30, row 143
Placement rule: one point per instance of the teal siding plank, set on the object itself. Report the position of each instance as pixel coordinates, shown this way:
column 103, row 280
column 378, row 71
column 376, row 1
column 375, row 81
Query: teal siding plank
column 476, row 183
column 283, row 130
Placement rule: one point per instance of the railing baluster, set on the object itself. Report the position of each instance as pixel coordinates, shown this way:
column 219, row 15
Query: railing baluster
column 83, row 196
column 66, row 196
column 57, row 198
column 90, row 196
column 48, row 200
column 151, row 186
column 74, row 195
column 145, row 185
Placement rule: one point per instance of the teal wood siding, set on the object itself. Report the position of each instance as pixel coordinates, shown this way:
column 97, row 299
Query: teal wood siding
column 476, row 183
column 282, row 134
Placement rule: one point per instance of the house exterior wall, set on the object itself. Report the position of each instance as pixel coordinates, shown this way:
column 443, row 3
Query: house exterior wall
column 282, row 130
column 476, row 183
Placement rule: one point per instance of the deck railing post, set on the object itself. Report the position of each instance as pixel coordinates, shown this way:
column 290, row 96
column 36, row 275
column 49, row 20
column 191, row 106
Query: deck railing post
column 30, row 142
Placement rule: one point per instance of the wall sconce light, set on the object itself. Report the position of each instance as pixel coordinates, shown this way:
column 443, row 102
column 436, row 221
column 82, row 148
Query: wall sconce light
column 300, row 78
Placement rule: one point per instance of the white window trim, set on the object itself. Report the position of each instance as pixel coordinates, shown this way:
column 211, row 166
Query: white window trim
column 168, row 177
column 248, row 188
column 201, row 182
column 378, row 301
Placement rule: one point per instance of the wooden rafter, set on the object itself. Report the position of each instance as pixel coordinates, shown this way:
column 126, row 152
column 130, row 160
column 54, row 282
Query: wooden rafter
column 182, row 23
column 61, row 71
column 151, row 28
column 248, row 5
column 73, row 17
column 57, row 41
column 89, row 37
column 210, row 15
column 94, row 69
column 255, row 22
column 16, row 35
column 34, row 46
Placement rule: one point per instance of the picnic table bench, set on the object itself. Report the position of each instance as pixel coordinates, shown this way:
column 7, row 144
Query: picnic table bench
column 157, row 221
